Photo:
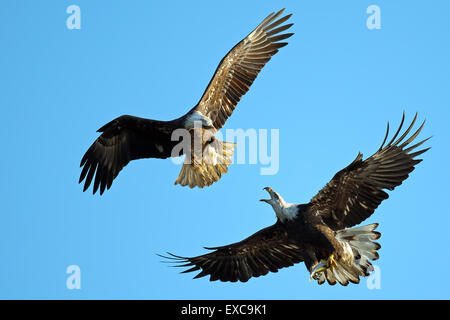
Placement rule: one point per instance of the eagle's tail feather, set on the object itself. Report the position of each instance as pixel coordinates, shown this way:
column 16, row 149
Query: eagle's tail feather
column 360, row 242
column 217, row 156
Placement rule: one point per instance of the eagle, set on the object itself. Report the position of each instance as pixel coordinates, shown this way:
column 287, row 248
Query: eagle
column 128, row 138
column 321, row 233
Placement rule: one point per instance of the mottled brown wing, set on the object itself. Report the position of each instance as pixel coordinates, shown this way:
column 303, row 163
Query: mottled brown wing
column 269, row 249
column 240, row 67
column 124, row 139
column 356, row 191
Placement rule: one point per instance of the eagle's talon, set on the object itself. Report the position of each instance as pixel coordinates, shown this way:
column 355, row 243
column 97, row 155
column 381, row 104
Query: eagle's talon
column 322, row 267
column 317, row 270
column 331, row 262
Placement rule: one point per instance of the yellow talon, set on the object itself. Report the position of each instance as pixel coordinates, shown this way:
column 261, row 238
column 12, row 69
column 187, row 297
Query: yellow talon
column 331, row 263
column 322, row 267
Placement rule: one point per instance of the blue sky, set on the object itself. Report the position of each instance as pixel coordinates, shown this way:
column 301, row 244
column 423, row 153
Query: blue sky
column 330, row 93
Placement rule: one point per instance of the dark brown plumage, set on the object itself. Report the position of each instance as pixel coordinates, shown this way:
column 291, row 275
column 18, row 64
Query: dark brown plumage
column 129, row 138
column 318, row 233
column 356, row 191
column 267, row 250
column 122, row 140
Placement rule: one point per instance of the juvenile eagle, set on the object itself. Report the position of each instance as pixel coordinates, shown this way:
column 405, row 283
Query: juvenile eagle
column 129, row 138
column 319, row 233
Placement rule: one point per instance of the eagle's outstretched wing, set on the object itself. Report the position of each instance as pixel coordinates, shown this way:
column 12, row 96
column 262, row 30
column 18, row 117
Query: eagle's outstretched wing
column 269, row 249
column 123, row 139
column 240, row 67
column 356, row 191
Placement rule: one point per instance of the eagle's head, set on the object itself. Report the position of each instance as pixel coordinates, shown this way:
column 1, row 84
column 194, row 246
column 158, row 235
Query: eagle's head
column 282, row 209
column 275, row 198
column 197, row 120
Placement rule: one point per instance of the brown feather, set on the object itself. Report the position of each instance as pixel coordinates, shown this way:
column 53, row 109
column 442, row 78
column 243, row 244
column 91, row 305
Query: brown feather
column 240, row 67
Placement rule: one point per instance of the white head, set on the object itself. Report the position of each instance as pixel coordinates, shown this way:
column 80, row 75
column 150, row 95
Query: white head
column 282, row 209
column 275, row 199
column 198, row 120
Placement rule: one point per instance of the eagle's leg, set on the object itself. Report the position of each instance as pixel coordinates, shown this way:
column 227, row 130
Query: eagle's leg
column 331, row 262
column 321, row 267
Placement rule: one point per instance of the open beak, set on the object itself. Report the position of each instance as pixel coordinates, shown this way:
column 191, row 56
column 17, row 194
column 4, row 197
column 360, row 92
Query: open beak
column 269, row 191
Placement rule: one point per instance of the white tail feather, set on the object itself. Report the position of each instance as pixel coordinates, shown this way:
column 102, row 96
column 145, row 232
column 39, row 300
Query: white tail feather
column 217, row 156
column 359, row 247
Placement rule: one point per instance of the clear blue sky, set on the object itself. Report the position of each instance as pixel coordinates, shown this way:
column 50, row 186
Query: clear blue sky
column 330, row 92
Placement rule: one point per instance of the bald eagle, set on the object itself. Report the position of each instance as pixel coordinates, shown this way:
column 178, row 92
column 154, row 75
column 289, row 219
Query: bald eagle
column 129, row 138
column 320, row 233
